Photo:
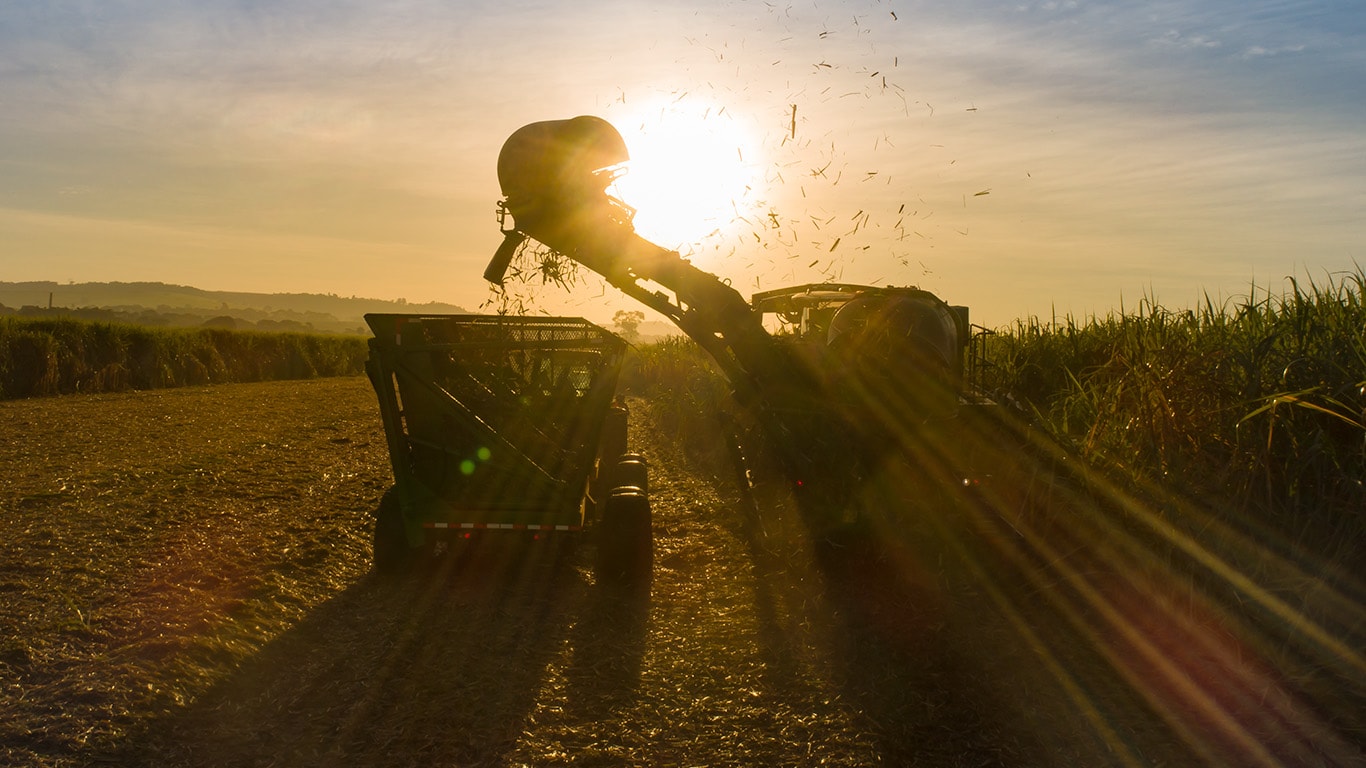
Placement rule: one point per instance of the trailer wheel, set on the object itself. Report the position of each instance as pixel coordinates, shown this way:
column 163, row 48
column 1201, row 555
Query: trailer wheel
column 626, row 538
column 631, row 471
column 393, row 556
column 615, row 426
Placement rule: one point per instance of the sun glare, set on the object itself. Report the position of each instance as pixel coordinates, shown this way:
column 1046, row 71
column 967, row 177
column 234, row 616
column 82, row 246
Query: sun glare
column 692, row 174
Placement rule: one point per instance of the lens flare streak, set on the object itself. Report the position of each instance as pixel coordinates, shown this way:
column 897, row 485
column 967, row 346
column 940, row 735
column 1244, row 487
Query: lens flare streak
column 1208, row 645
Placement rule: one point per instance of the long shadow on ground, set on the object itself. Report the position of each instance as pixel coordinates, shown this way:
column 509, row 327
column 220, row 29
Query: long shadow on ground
column 951, row 653
column 1043, row 620
column 441, row 668
column 885, row 623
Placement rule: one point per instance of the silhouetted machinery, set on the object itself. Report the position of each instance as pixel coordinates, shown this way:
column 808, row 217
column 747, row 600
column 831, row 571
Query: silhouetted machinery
column 861, row 375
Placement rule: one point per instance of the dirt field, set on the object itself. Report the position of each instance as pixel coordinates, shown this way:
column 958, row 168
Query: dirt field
column 185, row 580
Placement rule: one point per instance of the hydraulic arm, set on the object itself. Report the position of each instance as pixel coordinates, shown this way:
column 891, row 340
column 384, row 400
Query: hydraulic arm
column 554, row 175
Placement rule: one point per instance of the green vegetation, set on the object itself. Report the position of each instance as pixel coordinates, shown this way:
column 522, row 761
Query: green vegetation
column 63, row 356
column 1257, row 405
column 686, row 391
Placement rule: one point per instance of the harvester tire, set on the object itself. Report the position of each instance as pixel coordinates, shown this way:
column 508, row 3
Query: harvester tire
column 625, row 538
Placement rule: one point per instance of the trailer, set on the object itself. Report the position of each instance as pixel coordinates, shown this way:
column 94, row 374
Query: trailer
column 504, row 426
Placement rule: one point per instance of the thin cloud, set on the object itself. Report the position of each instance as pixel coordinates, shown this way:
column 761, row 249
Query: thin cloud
column 1173, row 38
column 1257, row 51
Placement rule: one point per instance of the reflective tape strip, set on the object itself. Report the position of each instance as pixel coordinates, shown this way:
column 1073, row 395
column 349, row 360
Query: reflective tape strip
column 503, row 527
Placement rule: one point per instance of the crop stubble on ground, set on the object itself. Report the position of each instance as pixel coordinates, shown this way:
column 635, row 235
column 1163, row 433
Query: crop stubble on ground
column 185, row 581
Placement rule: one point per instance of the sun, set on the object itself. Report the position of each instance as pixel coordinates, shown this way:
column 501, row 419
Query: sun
column 693, row 172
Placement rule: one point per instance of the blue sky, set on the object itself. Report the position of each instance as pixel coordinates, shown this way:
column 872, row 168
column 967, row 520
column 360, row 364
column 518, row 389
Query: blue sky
column 1172, row 149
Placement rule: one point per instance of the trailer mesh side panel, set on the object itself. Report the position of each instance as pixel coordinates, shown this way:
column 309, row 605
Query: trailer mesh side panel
column 500, row 412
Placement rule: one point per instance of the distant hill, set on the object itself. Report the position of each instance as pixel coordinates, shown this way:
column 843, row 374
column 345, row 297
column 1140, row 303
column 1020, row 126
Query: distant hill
column 180, row 305
column 653, row 330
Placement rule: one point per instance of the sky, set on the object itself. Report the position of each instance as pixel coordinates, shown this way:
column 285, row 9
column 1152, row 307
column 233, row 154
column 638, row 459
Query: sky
column 1026, row 159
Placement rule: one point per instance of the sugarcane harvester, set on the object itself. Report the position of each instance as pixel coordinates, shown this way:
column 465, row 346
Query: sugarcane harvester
column 860, row 377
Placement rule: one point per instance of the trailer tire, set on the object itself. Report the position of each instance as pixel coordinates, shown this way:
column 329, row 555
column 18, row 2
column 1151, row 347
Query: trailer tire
column 393, row 556
column 625, row 538
column 611, row 447
column 631, row 471
column 615, row 426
